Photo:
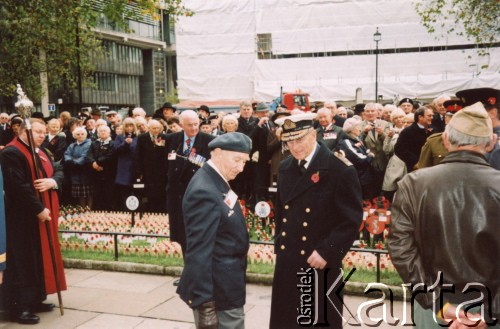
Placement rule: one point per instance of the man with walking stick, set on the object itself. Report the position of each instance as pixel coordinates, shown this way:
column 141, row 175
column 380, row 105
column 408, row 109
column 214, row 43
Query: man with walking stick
column 34, row 266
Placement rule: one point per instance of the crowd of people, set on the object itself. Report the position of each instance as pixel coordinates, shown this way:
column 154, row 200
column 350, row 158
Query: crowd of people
column 103, row 158
column 323, row 162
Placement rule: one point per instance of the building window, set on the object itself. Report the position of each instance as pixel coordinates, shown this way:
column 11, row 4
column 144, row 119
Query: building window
column 105, row 81
column 264, row 46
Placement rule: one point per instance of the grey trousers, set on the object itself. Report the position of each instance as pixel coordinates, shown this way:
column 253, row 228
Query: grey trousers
column 230, row 319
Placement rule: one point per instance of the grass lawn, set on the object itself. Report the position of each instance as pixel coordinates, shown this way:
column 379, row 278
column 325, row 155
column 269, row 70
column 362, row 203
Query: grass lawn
column 360, row 275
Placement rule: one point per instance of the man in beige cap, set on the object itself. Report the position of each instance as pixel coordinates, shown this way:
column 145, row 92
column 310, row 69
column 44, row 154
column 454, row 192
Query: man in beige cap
column 445, row 228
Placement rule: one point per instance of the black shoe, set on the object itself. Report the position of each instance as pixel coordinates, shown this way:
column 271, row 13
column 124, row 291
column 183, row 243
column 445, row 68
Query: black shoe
column 24, row 317
column 42, row 307
column 176, row 282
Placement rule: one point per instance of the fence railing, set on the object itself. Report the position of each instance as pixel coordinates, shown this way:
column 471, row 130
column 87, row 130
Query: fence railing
column 115, row 235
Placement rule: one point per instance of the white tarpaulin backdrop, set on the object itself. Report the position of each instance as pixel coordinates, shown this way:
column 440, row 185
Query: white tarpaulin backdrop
column 217, row 51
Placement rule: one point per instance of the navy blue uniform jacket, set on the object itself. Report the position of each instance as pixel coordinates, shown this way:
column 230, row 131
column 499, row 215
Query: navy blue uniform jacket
column 320, row 210
column 217, row 244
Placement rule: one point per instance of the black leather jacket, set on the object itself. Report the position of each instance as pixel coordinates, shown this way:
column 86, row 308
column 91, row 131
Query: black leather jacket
column 447, row 218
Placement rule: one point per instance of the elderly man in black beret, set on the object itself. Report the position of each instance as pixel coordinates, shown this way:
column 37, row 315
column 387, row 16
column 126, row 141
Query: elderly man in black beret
column 213, row 280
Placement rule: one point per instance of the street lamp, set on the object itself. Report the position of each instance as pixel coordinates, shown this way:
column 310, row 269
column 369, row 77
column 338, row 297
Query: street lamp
column 377, row 36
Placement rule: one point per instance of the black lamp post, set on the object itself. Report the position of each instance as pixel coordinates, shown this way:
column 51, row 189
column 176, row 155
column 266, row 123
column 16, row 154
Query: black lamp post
column 377, row 36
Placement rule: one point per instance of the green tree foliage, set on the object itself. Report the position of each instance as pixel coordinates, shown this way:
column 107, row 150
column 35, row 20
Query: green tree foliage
column 63, row 30
column 477, row 20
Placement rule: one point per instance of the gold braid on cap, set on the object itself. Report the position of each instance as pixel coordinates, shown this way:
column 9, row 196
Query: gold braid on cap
column 289, row 124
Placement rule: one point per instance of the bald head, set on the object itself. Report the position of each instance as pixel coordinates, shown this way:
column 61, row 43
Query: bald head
column 324, row 117
column 190, row 122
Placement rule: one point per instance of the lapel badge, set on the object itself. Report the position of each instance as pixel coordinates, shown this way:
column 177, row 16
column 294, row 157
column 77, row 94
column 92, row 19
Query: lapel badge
column 289, row 124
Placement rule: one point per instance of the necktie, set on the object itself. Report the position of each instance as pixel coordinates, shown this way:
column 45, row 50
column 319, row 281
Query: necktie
column 302, row 166
column 188, row 147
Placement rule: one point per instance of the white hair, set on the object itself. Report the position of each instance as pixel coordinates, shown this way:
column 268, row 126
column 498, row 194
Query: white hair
column 330, row 102
column 100, row 122
column 341, row 110
column 140, row 120
column 441, row 97
column 229, row 117
column 397, row 112
column 154, row 122
column 103, row 127
column 79, row 129
column 371, row 105
column 325, row 111
column 139, row 111
column 54, row 121
column 351, row 123
column 188, row 114
column 457, row 138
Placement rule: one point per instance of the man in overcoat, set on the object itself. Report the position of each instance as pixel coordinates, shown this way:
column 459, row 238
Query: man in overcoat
column 186, row 150
column 318, row 214
column 151, row 165
column 413, row 137
column 244, row 184
column 327, row 132
column 213, row 280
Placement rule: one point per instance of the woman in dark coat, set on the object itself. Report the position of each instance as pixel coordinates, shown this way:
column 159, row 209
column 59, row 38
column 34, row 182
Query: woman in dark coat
column 124, row 148
column 77, row 165
column 103, row 168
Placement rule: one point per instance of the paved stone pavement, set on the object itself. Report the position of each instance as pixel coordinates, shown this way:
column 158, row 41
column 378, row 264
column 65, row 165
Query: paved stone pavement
column 102, row 299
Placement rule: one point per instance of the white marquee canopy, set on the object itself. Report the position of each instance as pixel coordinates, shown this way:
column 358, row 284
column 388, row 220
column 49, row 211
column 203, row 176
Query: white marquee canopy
column 217, row 52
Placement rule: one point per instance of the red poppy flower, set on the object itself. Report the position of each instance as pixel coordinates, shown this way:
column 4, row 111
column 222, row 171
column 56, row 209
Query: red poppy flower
column 315, row 177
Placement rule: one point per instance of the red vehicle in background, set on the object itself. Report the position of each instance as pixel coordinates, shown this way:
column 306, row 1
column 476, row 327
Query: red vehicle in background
column 293, row 100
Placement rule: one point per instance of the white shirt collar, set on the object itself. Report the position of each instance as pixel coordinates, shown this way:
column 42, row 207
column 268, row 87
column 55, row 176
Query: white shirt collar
column 310, row 156
column 211, row 164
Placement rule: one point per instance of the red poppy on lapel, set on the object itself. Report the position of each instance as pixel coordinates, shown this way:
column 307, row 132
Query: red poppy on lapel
column 315, row 177
column 159, row 141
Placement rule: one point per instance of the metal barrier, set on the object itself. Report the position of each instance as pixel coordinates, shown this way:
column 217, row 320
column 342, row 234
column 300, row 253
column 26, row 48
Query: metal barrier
column 115, row 235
